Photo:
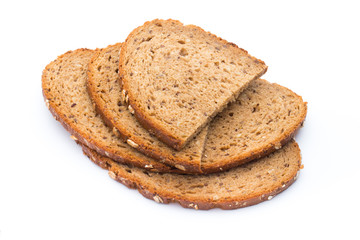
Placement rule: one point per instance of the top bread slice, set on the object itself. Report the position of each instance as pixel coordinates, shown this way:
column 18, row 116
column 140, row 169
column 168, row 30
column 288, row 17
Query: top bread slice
column 177, row 77
column 104, row 88
column 65, row 93
column 243, row 186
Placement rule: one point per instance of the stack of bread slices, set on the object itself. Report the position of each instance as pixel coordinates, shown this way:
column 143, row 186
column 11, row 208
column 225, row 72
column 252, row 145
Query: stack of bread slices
column 181, row 115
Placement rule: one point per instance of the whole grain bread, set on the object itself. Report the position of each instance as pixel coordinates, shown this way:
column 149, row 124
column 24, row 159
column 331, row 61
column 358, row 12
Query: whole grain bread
column 65, row 93
column 262, row 119
column 177, row 78
column 104, row 89
column 243, row 186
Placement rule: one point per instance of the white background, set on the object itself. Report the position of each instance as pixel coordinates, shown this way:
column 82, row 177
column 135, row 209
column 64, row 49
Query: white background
column 50, row 190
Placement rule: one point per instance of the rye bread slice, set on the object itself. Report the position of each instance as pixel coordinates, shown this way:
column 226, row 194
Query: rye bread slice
column 243, row 186
column 177, row 77
column 65, row 93
column 104, row 89
column 262, row 119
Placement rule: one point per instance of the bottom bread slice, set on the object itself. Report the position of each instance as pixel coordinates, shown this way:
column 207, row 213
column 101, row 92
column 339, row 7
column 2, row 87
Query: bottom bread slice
column 242, row 186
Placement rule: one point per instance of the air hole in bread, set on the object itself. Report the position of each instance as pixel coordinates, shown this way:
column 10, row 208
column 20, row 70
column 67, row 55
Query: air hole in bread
column 167, row 55
column 256, row 108
column 224, row 148
column 183, row 52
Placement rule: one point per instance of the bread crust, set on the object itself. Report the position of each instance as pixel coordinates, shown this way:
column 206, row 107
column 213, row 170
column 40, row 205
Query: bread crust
column 107, row 116
column 87, row 140
column 163, row 196
column 156, row 129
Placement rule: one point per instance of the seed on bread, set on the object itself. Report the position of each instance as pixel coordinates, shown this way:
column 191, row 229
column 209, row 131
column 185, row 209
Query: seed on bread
column 158, row 199
column 194, row 206
column 131, row 110
column 47, row 103
column 112, row 175
column 73, row 138
column 178, row 166
column 123, row 92
column 132, row 143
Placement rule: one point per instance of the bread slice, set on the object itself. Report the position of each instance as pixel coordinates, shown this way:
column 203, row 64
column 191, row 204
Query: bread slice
column 243, row 186
column 104, row 88
column 177, row 78
column 262, row 119
column 64, row 90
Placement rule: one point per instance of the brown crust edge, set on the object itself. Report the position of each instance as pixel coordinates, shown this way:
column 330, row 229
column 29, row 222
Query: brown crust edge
column 167, row 159
column 107, row 163
column 87, row 141
column 157, row 130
